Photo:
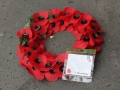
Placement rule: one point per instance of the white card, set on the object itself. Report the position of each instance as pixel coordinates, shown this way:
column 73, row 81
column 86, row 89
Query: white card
column 79, row 64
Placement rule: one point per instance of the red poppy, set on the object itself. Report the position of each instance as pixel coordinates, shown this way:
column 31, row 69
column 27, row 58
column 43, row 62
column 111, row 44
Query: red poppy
column 23, row 58
column 96, row 26
column 86, row 40
column 30, row 44
column 39, row 61
column 68, row 11
column 33, row 45
column 98, row 38
column 35, row 71
column 41, row 17
column 45, row 61
column 55, row 13
column 23, row 62
column 24, row 33
column 74, row 18
column 54, row 73
column 38, row 28
column 54, row 26
column 91, row 29
column 60, row 64
column 84, row 21
column 72, row 29
column 63, row 23
column 28, row 51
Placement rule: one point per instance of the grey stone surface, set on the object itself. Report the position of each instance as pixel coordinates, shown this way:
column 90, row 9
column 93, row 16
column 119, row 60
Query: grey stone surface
column 13, row 16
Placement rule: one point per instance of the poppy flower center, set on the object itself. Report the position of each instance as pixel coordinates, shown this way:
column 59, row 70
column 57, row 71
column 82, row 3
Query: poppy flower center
column 61, row 68
column 37, row 60
column 76, row 16
column 86, row 38
column 53, row 24
column 25, row 35
column 84, row 21
column 37, row 27
column 59, row 62
column 29, row 53
column 94, row 28
column 40, row 18
column 33, row 68
column 61, row 22
column 95, row 35
column 48, row 65
column 35, row 48
column 55, row 16
column 51, row 71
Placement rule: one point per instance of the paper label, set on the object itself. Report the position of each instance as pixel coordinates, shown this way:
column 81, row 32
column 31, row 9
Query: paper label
column 79, row 64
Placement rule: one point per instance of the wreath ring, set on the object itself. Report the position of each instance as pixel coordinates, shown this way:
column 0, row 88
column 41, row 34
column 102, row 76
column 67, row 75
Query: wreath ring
column 31, row 52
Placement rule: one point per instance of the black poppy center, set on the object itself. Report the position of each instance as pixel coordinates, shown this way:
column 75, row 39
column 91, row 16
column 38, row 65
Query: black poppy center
column 33, row 68
column 25, row 35
column 94, row 28
column 59, row 62
column 95, row 35
column 40, row 17
column 48, row 65
column 51, row 71
column 84, row 21
column 35, row 48
column 86, row 38
column 37, row 27
column 61, row 68
column 29, row 53
column 55, row 16
column 61, row 22
column 76, row 16
column 37, row 60
column 53, row 24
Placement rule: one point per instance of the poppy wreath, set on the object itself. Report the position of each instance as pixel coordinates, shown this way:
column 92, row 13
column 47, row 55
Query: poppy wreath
column 31, row 52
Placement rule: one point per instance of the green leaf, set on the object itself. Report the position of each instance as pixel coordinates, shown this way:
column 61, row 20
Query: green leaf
column 50, row 17
column 22, row 41
column 30, row 18
column 43, row 36
column 27, row 25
